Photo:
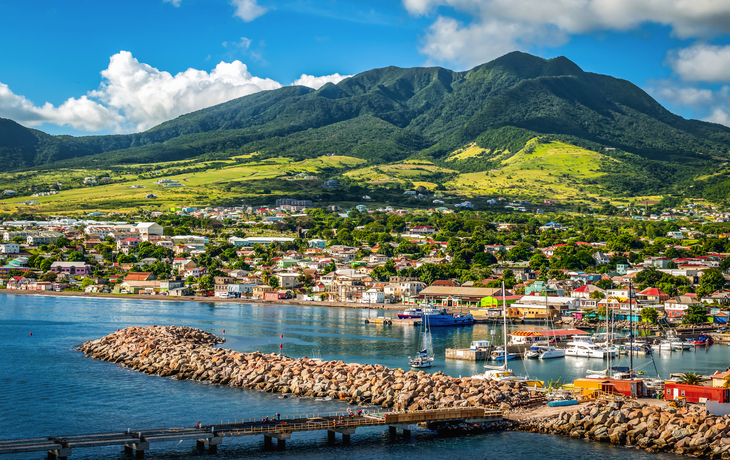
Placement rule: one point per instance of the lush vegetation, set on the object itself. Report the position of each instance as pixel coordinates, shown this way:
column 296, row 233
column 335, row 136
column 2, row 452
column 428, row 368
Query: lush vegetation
column 386, row 115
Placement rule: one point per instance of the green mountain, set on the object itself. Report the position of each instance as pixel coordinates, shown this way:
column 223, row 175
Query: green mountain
column 386, row 115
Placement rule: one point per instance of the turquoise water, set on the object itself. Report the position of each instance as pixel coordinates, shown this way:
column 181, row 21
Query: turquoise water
column 47, row 388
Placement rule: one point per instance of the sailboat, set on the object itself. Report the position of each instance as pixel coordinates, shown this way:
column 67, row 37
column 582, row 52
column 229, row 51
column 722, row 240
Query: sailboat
column 423, row 358
column 502, row 373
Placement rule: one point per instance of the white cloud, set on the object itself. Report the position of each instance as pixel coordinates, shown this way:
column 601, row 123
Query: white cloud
column 720, row 115
column 175, row 3
column 702, row 62
column 81, row 114
column 248, row 10
column 318, row 82
column 147, row 96
column 495, row 23
column 134, row 96
column 448, row 40
column 704, row 103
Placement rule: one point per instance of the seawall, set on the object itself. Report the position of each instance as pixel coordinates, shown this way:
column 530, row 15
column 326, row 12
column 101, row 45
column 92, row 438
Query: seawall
column 190, row 354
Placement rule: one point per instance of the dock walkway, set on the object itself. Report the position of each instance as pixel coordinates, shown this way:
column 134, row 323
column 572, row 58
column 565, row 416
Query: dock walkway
column 137, row 441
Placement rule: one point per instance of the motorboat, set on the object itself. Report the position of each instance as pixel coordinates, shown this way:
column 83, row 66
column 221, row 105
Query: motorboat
column 702, row 340
column 586, row 348
column 498, row 355
column 548, row 352
column 543, row 351
column 421, row 360
column 439, row 317
column 410, row 313
column 506, row 375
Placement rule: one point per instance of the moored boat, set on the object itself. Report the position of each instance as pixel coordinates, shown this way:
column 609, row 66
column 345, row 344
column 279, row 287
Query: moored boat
column 438, row 317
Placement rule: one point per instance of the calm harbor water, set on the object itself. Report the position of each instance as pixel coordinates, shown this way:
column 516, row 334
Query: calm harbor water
column 48, row 388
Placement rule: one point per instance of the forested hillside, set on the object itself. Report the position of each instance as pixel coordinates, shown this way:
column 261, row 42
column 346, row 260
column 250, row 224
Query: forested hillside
column 386, row 115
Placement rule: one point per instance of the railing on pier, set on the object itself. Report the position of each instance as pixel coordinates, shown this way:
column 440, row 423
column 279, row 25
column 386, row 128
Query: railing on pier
column 137, row 441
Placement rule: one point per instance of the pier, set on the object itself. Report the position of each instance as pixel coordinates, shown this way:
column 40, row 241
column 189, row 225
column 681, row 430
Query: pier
column 137, row 441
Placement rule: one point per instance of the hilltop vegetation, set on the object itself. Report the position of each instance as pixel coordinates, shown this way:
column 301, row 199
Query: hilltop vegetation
column 495, row 116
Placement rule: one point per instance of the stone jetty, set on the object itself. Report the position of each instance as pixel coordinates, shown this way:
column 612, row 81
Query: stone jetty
column 688, row 431
column 190, row 354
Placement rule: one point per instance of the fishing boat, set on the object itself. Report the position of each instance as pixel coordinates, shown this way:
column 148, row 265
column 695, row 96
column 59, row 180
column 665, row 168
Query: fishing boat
column 423, row 359
column 410, row 313
column 702, row 340
column 438, row 317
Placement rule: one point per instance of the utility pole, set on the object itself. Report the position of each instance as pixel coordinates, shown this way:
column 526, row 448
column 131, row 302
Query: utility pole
column 631, row 328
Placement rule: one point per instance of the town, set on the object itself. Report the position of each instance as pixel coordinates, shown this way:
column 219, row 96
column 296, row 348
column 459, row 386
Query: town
column 666, row 266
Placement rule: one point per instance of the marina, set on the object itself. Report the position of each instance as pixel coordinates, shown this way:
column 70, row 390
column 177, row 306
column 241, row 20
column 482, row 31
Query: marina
column 329, row 333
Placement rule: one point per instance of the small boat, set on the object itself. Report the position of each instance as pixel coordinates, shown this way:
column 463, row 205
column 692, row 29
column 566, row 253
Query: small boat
column 439, row 317
column 533, row 352
column 498, row 355
column 702, row 340
column 411, row 313
column 423, row 359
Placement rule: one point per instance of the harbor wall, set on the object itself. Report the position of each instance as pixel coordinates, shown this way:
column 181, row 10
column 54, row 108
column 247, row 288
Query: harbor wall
column 190, row 354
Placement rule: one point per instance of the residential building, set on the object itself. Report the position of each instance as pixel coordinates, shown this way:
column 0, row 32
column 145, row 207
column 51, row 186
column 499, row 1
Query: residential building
column 72, row 268
column 9, row 248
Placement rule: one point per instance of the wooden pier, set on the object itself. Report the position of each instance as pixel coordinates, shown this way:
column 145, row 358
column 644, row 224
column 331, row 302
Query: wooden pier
column 394, row 321
column 136, row 442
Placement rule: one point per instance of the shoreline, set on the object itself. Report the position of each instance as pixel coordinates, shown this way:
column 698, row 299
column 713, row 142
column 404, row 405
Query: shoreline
column 283, row 302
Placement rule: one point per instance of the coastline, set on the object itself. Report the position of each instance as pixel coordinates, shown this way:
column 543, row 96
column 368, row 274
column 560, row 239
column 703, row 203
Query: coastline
column 309, row 303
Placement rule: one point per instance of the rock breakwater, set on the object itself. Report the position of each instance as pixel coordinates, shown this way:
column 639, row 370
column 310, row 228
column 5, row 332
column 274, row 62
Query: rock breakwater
column 190, row 354
column 686, row 431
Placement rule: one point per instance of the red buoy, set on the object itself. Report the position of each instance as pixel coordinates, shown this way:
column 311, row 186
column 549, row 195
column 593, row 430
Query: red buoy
column 224, row 331
column 31, row 333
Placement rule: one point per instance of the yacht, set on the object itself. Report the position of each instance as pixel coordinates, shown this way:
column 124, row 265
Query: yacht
column 543, row 351
column 410, row 313
column 439, row 317
column 586, row 348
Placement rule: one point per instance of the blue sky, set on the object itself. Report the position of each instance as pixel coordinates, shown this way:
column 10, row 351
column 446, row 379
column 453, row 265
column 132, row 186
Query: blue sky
column 87, row 67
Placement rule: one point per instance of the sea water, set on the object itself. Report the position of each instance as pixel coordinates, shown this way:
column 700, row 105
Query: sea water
column 47, row 388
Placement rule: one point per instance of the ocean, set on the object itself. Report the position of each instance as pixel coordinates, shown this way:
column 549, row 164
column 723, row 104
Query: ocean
column 47, row 388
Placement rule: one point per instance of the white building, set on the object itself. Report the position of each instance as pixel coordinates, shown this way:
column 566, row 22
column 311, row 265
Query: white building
column 9, row 248
column 373, row 296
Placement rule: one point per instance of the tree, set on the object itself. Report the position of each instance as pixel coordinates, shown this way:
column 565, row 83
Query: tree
column 205, row 283
column 539, row 262
column 49, row 277
column 597, row 295
column 695, row 314
column 86, row 282
column 76, row 256
column 649, row 314
column 690, row 378
column 712, row 280
column 274, row 282
column 46, row 264
column 605, row 284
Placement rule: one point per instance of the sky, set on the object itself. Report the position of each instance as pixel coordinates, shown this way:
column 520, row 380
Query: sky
column 120, row 66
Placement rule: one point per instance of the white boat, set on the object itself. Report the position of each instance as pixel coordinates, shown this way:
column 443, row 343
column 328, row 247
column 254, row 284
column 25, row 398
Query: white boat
column 548, row 352
column 423, row 359
column 498, row 355
column 543, row 351
column 586, row 348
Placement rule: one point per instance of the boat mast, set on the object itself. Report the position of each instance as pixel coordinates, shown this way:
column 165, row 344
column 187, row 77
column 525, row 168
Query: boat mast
column 504, row 324
column 631, row 331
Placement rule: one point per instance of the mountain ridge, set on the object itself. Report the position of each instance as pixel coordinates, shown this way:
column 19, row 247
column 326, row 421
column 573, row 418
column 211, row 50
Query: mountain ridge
column 391, row 113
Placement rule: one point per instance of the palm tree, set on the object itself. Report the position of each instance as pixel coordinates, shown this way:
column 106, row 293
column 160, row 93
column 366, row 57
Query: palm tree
column 690, row 378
